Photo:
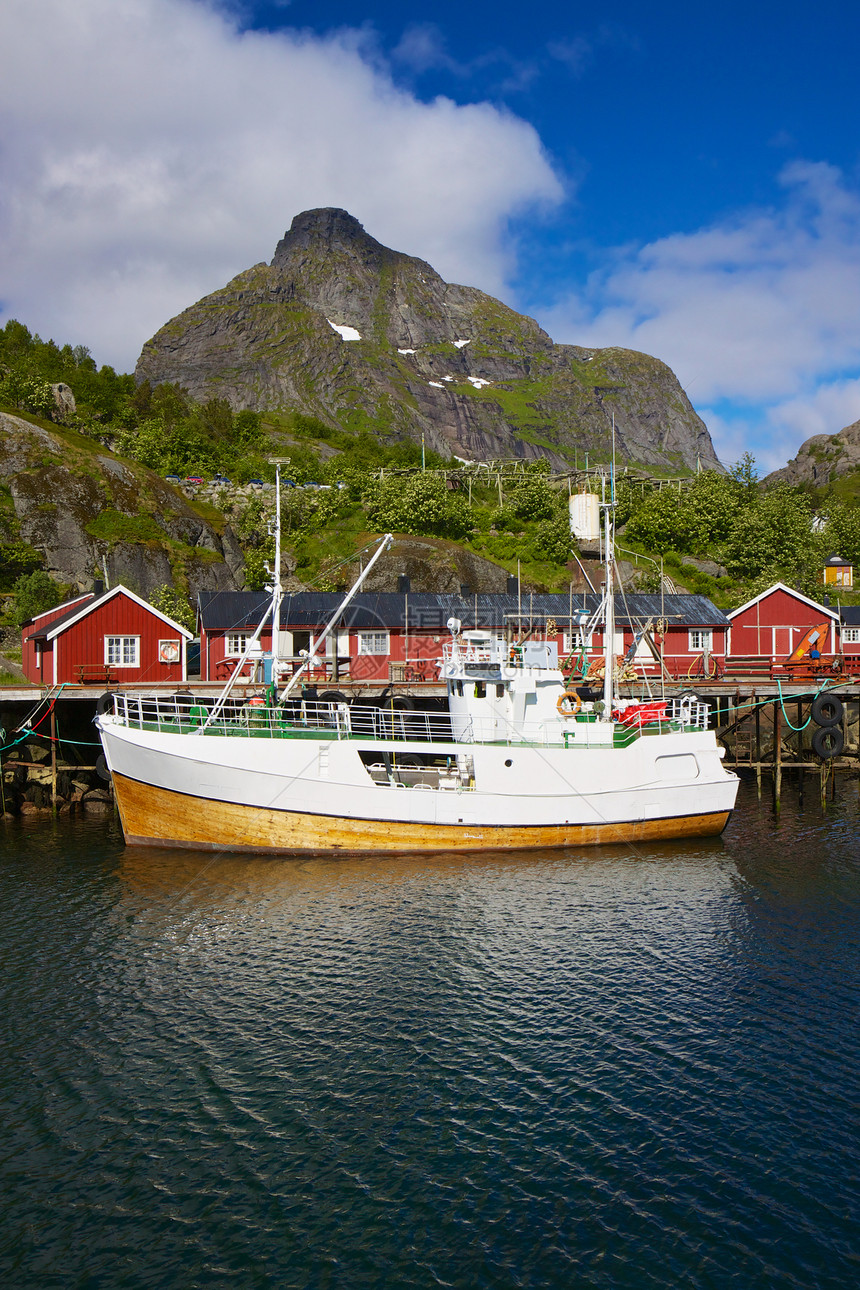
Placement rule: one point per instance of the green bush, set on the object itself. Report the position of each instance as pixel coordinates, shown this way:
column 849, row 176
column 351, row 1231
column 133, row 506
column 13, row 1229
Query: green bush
column 419, row 504
column 32, row 594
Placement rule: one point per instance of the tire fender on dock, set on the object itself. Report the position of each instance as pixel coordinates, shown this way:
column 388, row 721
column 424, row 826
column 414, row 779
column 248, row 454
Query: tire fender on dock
column 827, row 710
column 828, row 742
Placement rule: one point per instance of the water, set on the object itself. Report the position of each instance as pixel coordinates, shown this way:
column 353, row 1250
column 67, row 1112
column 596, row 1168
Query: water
column 610, row 1068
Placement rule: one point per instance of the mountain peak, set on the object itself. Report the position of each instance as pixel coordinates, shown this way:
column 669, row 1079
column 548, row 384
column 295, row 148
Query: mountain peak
column 327, row 228
column 344, row 329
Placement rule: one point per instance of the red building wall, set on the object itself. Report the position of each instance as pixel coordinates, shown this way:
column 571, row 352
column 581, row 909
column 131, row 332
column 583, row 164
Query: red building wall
column 419, row 652
column 82, row 644
column 775, row 624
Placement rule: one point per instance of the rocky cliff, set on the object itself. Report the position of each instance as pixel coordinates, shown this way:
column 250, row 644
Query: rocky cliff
column 822, row 459
column 344, row 329
column 88, row 511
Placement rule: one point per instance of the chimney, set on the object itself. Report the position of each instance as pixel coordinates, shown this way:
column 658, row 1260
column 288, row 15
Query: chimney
column 465, row 590
column 512, row 586
column 98, row 587
column 403, row 586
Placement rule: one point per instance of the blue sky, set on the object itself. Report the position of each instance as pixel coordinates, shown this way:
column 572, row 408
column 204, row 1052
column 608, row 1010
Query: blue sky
column 675, row 178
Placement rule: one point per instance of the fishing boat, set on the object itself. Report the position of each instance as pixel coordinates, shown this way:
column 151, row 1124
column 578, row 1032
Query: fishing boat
column 518, row 760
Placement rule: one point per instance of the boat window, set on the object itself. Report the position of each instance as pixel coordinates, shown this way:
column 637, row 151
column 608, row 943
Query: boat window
column 480, row 689
column 500, row 691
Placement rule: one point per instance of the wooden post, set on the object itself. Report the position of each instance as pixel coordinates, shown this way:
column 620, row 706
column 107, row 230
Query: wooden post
column 758, row 750
column 54, row 759
column 777, row 757
column 823, row 784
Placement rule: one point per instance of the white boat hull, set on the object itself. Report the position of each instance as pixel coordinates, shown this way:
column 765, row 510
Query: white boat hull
column 315, row 794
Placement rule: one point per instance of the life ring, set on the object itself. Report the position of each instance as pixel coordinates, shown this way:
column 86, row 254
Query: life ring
column 572, row 697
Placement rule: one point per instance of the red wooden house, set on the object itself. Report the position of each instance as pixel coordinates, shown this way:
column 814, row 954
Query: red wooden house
column 105, row 637
column 398, row 636
column 774, row 623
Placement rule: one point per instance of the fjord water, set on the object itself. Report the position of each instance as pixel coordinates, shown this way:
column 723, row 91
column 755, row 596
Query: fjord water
column 611, row 1068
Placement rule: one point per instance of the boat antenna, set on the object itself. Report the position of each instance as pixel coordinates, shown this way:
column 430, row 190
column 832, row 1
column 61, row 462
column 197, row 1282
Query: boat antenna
column 277, row 588
column 608, row 508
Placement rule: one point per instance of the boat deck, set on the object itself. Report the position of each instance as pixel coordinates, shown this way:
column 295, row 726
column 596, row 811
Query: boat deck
column 371, row 725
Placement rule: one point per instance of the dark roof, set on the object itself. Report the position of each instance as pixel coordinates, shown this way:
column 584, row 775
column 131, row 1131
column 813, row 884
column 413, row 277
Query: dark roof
column 836, row 561
column 75, row 600
column 238, row 610
column 850, row 615
column 77, row 607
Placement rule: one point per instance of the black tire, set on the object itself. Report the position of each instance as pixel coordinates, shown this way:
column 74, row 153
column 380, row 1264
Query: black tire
column 104, row 704
column 333, row 696
column 827, row 710
column 827, row 742
column 399, row 703
column 101, row 768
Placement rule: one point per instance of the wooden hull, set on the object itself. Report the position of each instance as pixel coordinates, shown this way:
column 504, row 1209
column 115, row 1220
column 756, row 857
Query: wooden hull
column 162, row 817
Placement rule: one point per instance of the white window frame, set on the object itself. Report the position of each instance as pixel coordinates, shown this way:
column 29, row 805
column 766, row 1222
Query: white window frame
column 231, row 648
column 575, row 639
column 850, row 636
column 128, row 649
column 700, row 640
column 374, row 643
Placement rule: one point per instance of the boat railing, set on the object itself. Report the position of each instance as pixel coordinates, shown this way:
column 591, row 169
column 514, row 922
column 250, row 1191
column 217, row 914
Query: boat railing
column 189, row 715
column 466, row 653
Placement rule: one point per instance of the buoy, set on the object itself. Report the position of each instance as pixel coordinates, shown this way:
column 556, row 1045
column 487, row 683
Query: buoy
column 571, row 697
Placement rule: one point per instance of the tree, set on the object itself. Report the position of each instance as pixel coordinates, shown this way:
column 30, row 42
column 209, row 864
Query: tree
column 744, row 473
column 662, row 523
column 531, row 498
column 553, row 539
column 167, row 600
column 712, row 504
column 842, row 531
column 419, row 504
column 33, row 593
column 772, row 534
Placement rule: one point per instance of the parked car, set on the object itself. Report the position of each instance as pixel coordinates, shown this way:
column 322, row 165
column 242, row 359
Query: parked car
column 173, row 479
column 220, row 480
column 194, row 479
column 257, row 483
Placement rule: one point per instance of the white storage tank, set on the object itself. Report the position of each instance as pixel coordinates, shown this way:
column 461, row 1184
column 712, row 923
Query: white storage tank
column 585, row 517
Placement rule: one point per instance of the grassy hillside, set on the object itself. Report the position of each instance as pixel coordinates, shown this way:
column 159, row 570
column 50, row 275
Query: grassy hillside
column 743, row 535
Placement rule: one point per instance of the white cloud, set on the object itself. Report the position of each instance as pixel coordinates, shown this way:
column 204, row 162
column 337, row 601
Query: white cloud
column 762, row 311
column 149, row 150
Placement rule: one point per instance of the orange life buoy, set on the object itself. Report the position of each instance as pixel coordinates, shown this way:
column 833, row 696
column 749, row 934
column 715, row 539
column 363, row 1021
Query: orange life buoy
column 571, row 697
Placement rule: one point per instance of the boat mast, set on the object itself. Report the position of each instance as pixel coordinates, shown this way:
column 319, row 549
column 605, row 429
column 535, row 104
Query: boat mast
column 277, row 586
column 384, row 543
column 608, row 508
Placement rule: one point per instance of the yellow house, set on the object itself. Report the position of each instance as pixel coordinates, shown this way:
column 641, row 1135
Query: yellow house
column 838, row 572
